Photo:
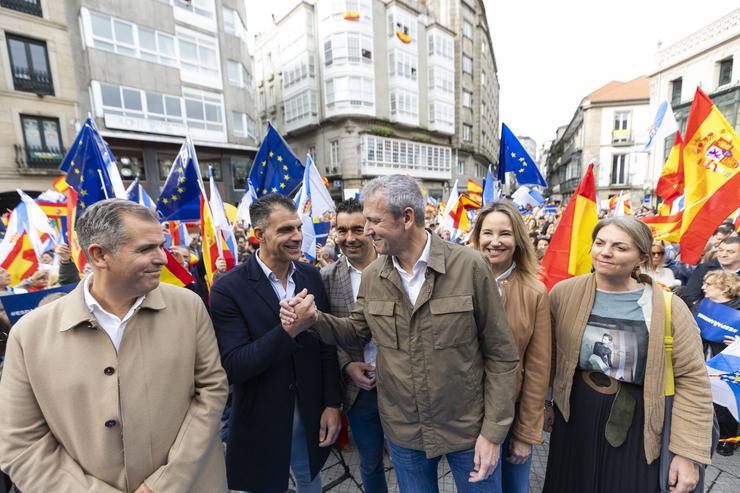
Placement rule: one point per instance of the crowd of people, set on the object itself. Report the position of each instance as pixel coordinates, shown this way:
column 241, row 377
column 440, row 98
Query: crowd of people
column 429, row 347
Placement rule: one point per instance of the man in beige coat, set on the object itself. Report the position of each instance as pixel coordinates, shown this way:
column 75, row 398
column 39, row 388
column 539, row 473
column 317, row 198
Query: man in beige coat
column 116, row 387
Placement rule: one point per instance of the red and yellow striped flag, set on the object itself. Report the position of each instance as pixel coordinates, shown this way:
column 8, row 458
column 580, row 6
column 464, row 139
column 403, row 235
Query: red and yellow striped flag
column 711, row 175
column 665, row 227
column 78, row 256
column 21, row 260
column 670, row 184
column 569, row 252
column 174, row 273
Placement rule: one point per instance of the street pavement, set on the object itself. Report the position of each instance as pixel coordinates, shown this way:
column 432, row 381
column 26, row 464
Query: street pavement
column 723, row 476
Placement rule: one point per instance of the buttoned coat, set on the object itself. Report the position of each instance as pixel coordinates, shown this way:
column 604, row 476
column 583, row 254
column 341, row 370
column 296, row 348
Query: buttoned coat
column 270, row 371
column 338, row 287
column 446, row 368
column 78, row 416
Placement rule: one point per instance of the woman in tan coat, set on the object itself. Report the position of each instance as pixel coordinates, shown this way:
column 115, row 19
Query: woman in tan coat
column 501, row 235
column 609, row 377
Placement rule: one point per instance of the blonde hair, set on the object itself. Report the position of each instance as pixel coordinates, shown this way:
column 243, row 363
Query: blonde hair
column 524, row 253
column 638, row 232
column 727, row 282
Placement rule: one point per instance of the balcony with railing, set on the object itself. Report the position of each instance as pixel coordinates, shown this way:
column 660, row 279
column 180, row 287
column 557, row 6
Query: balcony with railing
column 35, row 81
column 38, row 158
column 32, row 7
column 621, row 137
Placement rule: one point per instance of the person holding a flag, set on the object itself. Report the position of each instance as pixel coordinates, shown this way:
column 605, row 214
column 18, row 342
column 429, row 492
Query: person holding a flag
column 501, row 235
column 609, row 419
column 117, row 386
column 721, row 304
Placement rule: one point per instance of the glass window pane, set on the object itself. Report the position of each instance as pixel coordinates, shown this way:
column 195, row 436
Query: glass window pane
column 188, row 50
column 111, row 95
column 147, row 40
column 18, row 53
column 166, row 45
column 208, row 57
column 173, row 106
column 101, row 26
column 213, row 113
column 234, row 71
column 194, row 109
column 32, row 133
column 238, row 122
column 154, row 103
column 131, row 99
column 124, row 32
column 38, row 57
column 51, row 135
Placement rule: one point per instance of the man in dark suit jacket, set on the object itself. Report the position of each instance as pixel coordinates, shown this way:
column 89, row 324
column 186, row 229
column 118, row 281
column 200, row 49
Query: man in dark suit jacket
column 357, row 361
column 286, row 384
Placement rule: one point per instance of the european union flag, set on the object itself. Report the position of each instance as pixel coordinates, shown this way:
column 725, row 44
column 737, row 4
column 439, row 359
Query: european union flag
column 86, row 165
column 136, row 193
column 179, row 199
column 513, row 157
column 276, row 169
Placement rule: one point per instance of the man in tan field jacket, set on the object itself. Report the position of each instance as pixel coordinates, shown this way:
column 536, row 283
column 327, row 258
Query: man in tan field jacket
column 446, row 367
column 117, row 386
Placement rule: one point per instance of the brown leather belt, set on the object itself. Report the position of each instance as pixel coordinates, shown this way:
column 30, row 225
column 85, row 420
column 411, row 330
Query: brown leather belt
column 600, row 382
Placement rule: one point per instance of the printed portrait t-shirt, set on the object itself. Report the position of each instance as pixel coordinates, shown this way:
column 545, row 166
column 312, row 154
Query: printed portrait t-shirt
column 616, row 338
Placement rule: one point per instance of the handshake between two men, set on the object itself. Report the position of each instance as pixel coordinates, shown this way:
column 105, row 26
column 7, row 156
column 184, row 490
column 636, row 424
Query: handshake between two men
column 298, row 313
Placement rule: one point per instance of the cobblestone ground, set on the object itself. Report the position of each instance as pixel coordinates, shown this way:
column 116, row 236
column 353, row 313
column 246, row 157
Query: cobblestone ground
column 722, row 477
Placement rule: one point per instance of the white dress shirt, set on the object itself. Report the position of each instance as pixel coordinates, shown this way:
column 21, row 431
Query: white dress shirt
column 412, row 282
column 370, row 351
column 277, row 286
column 111, row 324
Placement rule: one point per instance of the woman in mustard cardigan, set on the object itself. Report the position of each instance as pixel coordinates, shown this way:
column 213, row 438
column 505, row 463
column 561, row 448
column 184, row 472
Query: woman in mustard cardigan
column 501, row 235
column 609, row 412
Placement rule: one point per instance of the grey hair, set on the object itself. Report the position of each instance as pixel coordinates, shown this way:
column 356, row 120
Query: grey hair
column 401, row 192
column 102, row 223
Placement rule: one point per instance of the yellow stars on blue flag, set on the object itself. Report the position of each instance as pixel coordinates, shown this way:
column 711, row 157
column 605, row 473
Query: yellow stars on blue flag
column 180, row 196
column 513, row 157
column 276, row 168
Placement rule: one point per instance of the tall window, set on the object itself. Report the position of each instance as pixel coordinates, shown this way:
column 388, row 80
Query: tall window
column 440, row 45
column 621, row 120
column 29, row 63
column 467, row 99
column 467, row 65
column 467, row 133
column 244, row 125
column 676, row 86
column 619, row 169
column 334, row 154
column 43, row 141
column 467, row 29
column 460, row 168
column 725, row 72
column 238, row 75
column 198, row 54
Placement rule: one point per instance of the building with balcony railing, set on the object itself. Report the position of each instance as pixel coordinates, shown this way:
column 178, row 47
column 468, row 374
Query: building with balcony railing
column 708, row 58
column 609, row 127
column 153, row 71
column 370, row 87
column 37, row 95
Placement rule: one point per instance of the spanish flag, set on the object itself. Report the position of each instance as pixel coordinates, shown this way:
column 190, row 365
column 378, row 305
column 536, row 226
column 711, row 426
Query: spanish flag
column 475, row 190
column 711, row 175
column 174, row 273
column 665, row 227
column 569, row 252
column 459, row 215
column 671, row 182
column 20, row 261
column 78, row 256
column 212, row 241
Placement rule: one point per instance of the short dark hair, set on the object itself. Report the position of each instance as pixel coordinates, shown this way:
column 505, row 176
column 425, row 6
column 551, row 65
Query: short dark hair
column 349, row 206
column 260, row 209
column 724, row 229
column 731, row 240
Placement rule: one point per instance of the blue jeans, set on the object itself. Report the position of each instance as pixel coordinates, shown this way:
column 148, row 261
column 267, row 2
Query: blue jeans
column 514, row 477
column 299, row 463
column 368, row 435
column 417, row 474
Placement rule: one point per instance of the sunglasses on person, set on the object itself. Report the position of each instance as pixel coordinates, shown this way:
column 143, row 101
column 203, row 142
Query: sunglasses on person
column 658, row 253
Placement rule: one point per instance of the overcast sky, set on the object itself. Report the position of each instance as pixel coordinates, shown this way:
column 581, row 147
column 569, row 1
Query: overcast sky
column 551, row 53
